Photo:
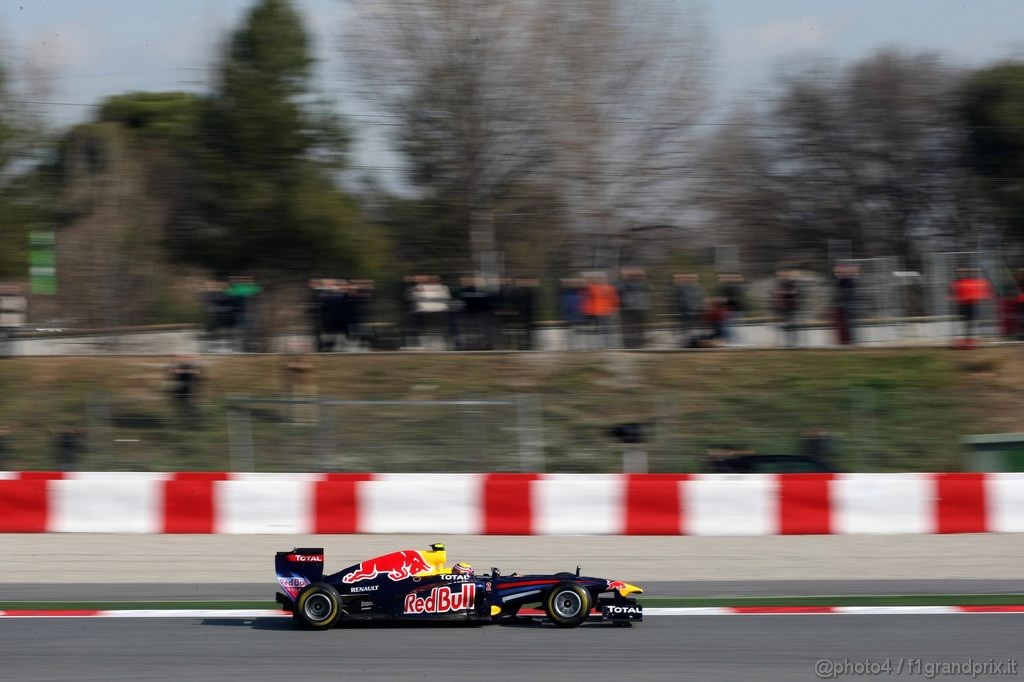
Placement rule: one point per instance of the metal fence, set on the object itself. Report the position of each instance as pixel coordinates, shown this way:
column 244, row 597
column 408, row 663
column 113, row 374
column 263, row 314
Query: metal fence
column 128, row 435
column 881, row 293
column 503, row 434
column 869, row 428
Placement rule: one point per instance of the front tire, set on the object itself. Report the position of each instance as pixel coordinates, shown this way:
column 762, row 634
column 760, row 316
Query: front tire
column 318, row 606
column 567, row 604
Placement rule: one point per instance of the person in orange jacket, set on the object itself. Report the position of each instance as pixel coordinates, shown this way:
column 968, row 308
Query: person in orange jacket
column 970, row 291
column 600, row 305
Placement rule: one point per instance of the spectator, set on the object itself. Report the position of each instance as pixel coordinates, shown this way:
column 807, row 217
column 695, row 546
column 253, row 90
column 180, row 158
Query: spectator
column 688, row 298
column 506, row 315
column 475, row 326
column 817, row 443
column 970, row 291
column 300, row 384
column 337, row 312
column 217, row 314
column 636, row 305
column 348, row 311
column 360, row 298
column 846, row 302
column 70, row 445
column 600, row 305
column 5, row 446
column 430, row 300
column 787, row 300
column 1008, row 313
column 1010, row 308
column 731, row 289
column 524, row 297
column 407, row 306
column 184, row 379
column 315, row 312
column 718, row 312
column 571, row 305
column 244, row 294
column 1019, row 307
column 13, row 313
column 719, row 456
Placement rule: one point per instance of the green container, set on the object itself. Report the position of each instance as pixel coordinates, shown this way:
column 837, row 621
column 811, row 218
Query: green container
column 995, row 452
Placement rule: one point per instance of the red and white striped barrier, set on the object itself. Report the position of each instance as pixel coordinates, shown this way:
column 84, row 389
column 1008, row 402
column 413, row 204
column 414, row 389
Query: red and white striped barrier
column 511, row 504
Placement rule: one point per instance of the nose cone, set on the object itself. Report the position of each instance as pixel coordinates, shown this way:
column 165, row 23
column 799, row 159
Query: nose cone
column 625, row 589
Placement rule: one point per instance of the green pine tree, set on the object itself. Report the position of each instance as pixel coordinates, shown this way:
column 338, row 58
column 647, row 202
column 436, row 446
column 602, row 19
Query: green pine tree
column 993, row 108
column 268, row 203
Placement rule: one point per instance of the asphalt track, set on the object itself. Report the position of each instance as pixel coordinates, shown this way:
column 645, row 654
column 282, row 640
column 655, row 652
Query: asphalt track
column 747, row 648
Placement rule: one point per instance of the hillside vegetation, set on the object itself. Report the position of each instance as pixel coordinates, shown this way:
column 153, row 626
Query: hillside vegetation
column 887, row 410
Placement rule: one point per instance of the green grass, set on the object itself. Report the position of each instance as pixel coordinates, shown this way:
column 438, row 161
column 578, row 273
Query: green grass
column 889, row 410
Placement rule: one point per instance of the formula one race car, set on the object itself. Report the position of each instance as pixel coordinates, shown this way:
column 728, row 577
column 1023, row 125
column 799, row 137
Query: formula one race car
column 415, row 585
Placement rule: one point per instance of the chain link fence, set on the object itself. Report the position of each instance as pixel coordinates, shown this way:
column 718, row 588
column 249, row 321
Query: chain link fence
column 866, row 428
column 469, row 435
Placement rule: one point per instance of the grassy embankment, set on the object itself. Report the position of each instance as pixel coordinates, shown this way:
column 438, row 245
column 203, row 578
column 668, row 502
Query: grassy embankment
column 888, row 410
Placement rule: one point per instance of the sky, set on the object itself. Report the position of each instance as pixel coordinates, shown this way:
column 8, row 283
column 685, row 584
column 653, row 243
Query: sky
column 92, row 49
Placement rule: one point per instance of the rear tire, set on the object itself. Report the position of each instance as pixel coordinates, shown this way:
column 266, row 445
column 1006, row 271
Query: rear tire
column 318, row 607
column 567, row 604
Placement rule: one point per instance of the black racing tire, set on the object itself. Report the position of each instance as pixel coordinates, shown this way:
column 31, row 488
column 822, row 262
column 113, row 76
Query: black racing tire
column 567, row 604
column 318, row 607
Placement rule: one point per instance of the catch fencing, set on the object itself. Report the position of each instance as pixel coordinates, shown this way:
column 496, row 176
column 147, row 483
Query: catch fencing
column 861, row 428
column 327, row 434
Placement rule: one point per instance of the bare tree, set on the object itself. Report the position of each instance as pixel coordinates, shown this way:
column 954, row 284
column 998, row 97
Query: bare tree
column 623, row 87
column 872, row 153
column 590, row 99
column 442, row 69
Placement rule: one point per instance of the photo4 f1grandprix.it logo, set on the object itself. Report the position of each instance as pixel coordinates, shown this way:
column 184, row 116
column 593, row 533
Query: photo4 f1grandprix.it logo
column 442, row 600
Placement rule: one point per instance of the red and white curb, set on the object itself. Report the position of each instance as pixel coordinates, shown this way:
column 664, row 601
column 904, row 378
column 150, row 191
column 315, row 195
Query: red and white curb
column 511, row 504
column 653, row 611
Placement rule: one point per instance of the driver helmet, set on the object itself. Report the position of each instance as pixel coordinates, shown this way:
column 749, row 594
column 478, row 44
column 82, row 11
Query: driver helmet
column 462, row 568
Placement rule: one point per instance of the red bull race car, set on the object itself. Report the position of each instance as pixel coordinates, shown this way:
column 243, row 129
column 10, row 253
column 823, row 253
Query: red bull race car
column 416, row 585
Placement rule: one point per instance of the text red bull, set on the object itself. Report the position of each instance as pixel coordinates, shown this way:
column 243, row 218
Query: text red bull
column 442, row 600
column 292, row 585
column 397, row 566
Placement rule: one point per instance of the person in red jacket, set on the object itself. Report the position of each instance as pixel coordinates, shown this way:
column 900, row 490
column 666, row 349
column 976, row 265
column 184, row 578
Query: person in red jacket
column 600, row 306
column 970, row 291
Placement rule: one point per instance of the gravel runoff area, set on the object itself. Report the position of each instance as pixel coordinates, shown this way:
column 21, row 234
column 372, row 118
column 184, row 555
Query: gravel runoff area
column 101, row 558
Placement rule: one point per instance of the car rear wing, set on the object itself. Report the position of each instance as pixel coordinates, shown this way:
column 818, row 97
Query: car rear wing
column 298, row 568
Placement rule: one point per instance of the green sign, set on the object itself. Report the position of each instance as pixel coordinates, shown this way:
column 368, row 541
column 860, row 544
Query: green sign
column 43, row 262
